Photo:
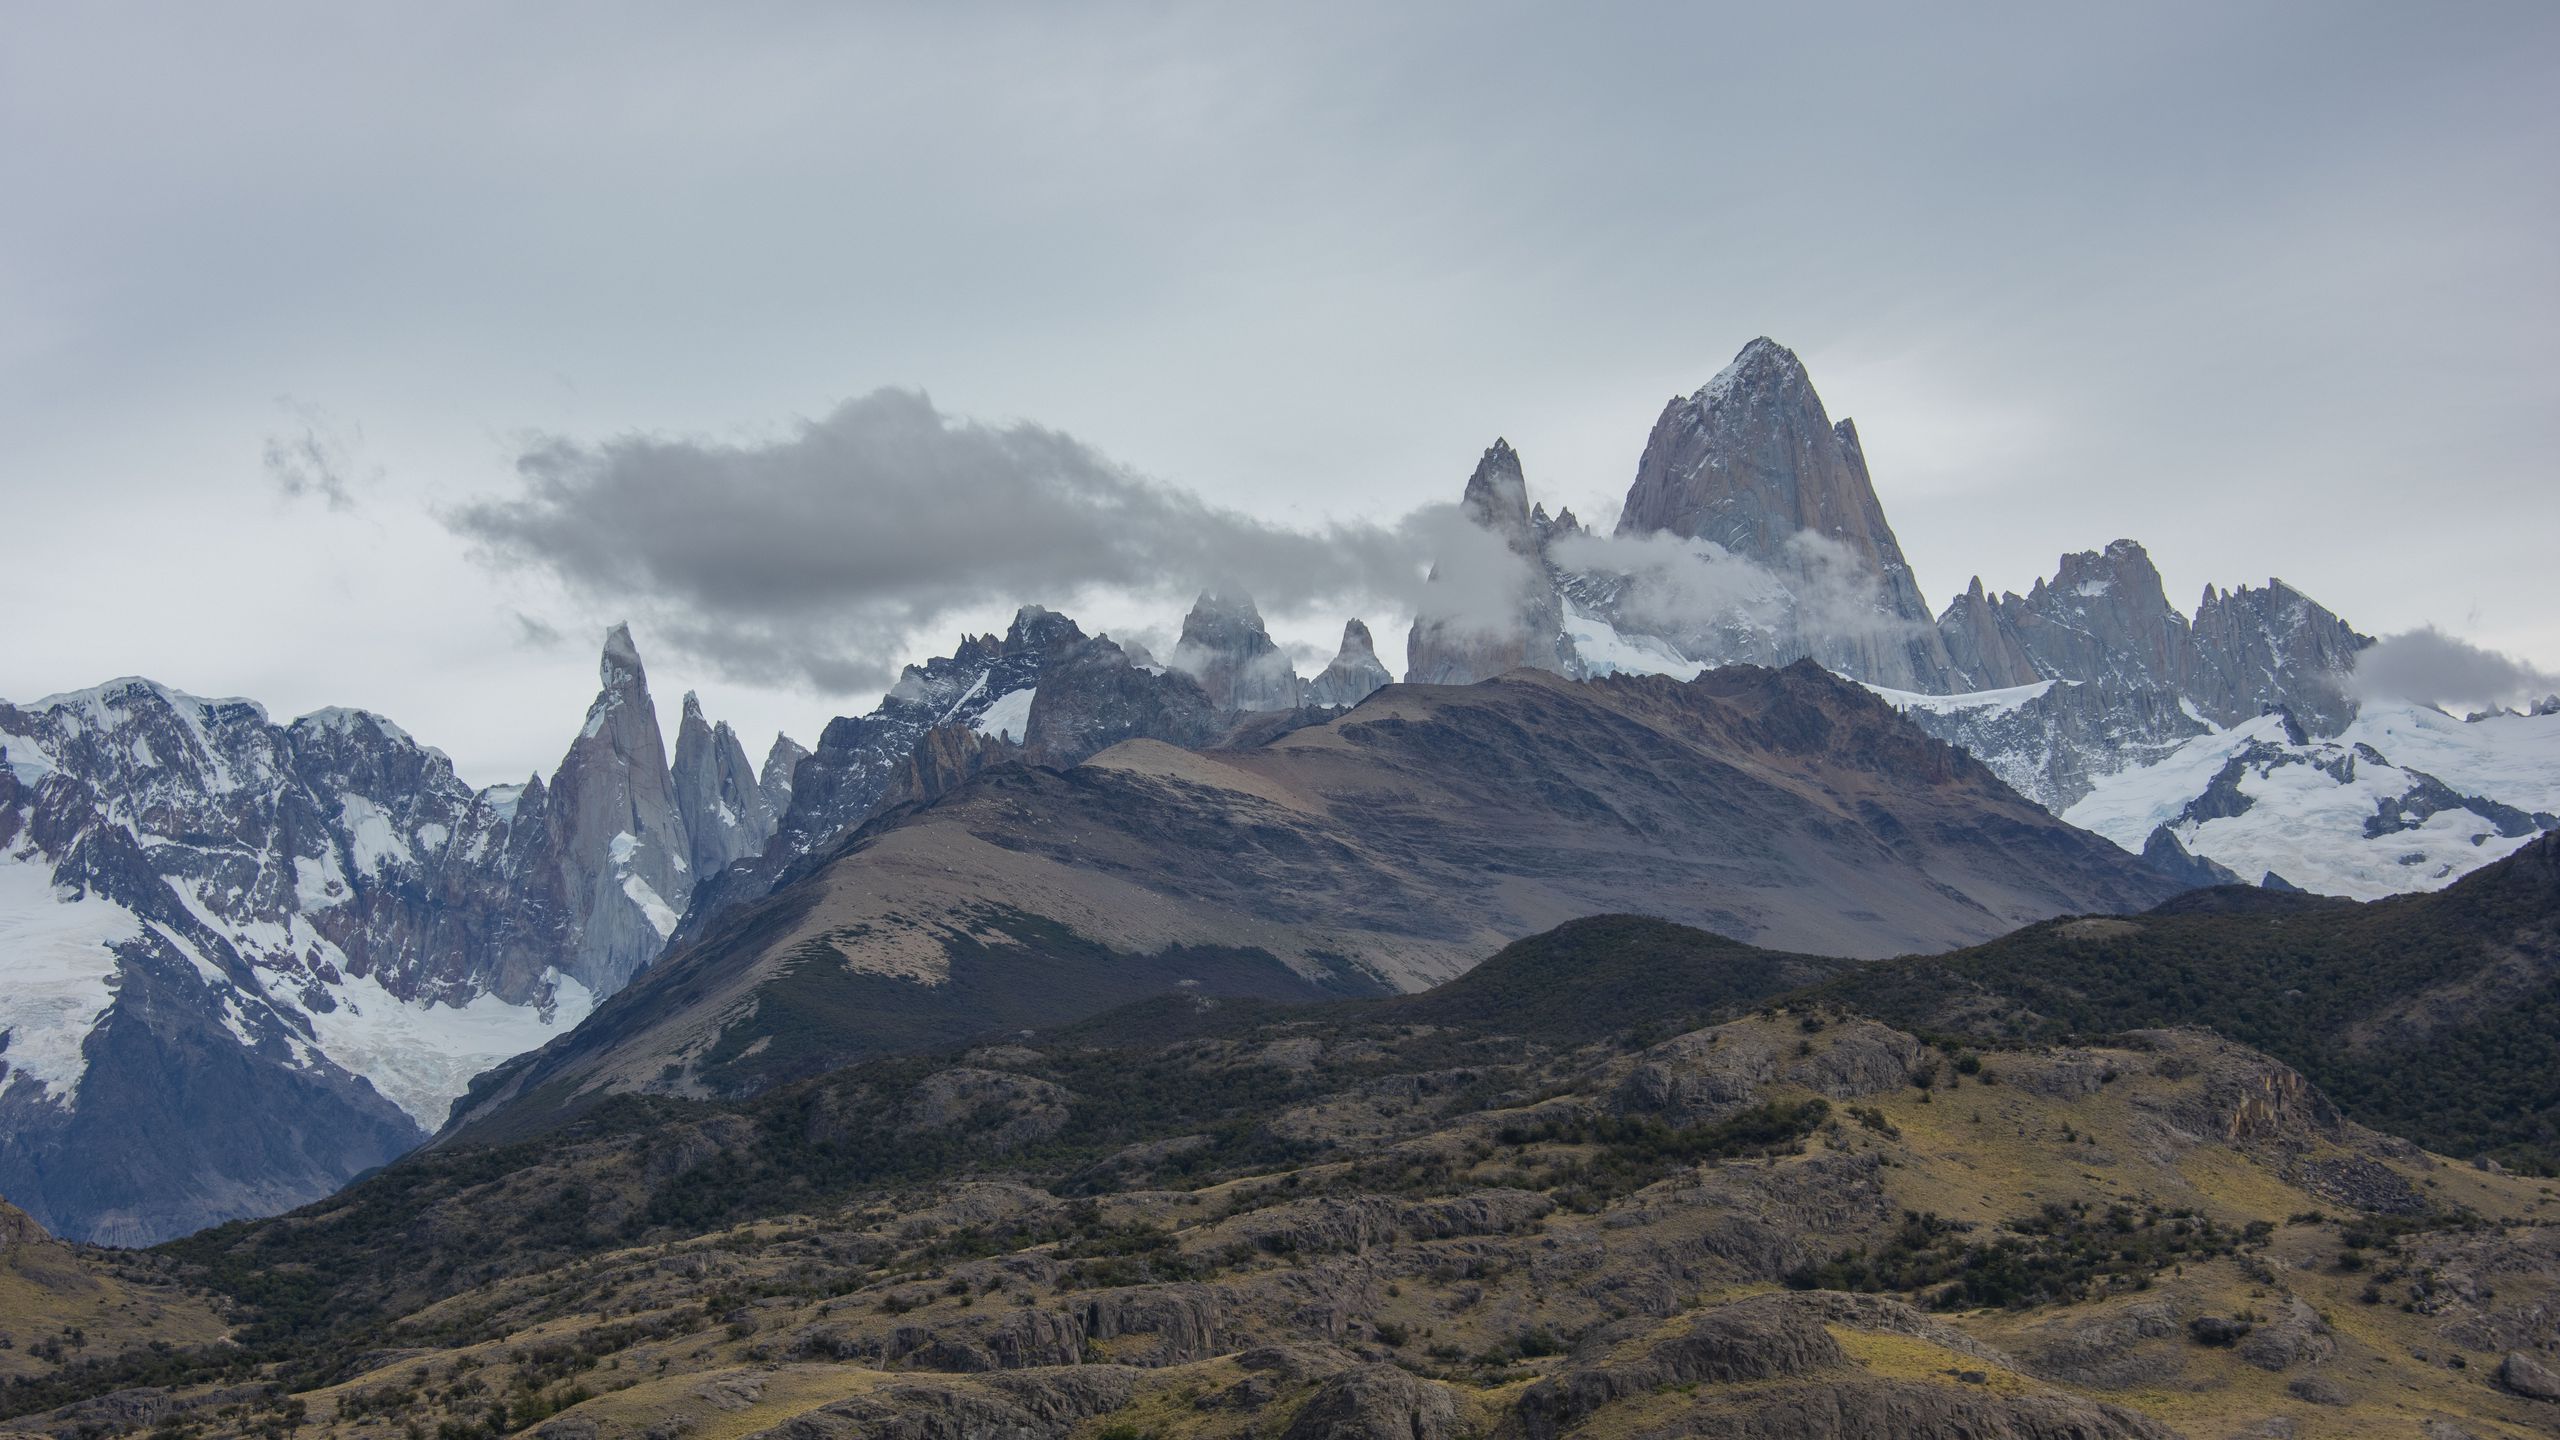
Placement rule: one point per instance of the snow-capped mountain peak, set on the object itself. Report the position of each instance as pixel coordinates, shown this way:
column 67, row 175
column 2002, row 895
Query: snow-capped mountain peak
column 218, row 929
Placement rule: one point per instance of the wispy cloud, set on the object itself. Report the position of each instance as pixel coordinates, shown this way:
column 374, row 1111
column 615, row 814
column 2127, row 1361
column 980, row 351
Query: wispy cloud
column 315, row 456
column 2434, row 668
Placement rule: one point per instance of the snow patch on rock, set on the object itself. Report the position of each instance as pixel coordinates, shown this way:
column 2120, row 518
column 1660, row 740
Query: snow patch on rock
column 57, row 961
column 1603, row 649
column 1009, row 717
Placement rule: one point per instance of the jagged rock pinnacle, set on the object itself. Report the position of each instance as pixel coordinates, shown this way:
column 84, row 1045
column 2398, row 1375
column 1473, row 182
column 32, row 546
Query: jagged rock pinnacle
column 1751, row 463
column 621, row 659
column 1355, row 673
column 1225, row 647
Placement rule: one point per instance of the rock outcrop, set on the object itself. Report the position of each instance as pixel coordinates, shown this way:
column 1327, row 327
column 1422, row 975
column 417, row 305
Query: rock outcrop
column 2104, row 619
column 2532, row 1378
column 1226, row 649
column 774, row 780
column 1492, row 607
column 1094, row 696
column 1377, row 1402
column 726, row 811
column 2270, row 647
column 860, row 759
column 1983, row 653
column 1751, row 463
column 616, row 831
column 1355, row 674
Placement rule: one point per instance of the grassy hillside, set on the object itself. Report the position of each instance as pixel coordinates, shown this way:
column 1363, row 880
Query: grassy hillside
column 1609, row 975
column 1611, row 1183
column 1790, row 1222
column 2432, row 1017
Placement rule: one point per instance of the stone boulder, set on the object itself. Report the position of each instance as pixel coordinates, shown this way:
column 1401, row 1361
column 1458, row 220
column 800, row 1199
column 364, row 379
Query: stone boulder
column 2527, row 1376
column 1377, row 1402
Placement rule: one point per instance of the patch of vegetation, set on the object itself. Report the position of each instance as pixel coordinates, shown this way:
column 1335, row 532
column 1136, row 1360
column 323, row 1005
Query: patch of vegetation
column 2056, row 1256
column 1627, row 1154
column 1610, row 975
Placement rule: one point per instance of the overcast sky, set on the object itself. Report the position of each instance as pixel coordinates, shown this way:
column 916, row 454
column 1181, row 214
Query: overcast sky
column 295, row 303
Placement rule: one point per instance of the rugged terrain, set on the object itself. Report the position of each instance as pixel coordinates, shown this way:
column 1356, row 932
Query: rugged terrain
column 1753, row 531
column 249, row 961
column 1622, row 1178
column 1383, row 849
column 2434, row 1016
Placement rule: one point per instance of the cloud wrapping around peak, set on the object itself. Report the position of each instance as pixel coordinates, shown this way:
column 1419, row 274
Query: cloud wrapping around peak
column 817, row 558
column 1699, row 594
column 2433, row 668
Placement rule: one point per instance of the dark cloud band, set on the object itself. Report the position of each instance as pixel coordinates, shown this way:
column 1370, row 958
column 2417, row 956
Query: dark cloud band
column 816, row 558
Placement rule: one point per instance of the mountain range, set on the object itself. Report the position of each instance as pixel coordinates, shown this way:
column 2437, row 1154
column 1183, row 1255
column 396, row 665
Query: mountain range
column 249, row 960
column 1379, row 851
column 252, row 960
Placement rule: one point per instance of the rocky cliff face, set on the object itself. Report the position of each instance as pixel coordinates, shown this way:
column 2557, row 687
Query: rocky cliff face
column 2125, row 678
column 860, row 758
column 224, row 944
column 1095, row 696
column 250, row 960
column 1226, row 649
column 1353, row 676
column 616, row 830
column 774, row 780
column 1751, row 463
column 725, row 811
column 2104, row 618
column 1983, row 653
column 1504, row 612
column 2273, row 646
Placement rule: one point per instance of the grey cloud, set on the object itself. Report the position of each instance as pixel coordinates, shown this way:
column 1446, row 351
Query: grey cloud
column 535, row 634
column 1675, row 586
column 1836, row 596
column 2431, row 667
column 817, row 557
column 314, row 457
column 1691, row 590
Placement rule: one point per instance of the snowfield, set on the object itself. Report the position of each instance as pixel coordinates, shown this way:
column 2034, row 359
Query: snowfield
column 423, row 1056
column 2316, row 812
column 58, row 970
column 2333, row 816
column 1994, row 702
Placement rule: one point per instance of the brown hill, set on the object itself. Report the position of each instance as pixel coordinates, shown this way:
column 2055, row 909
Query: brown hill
column 1456, row 1213
column 1386, row 849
